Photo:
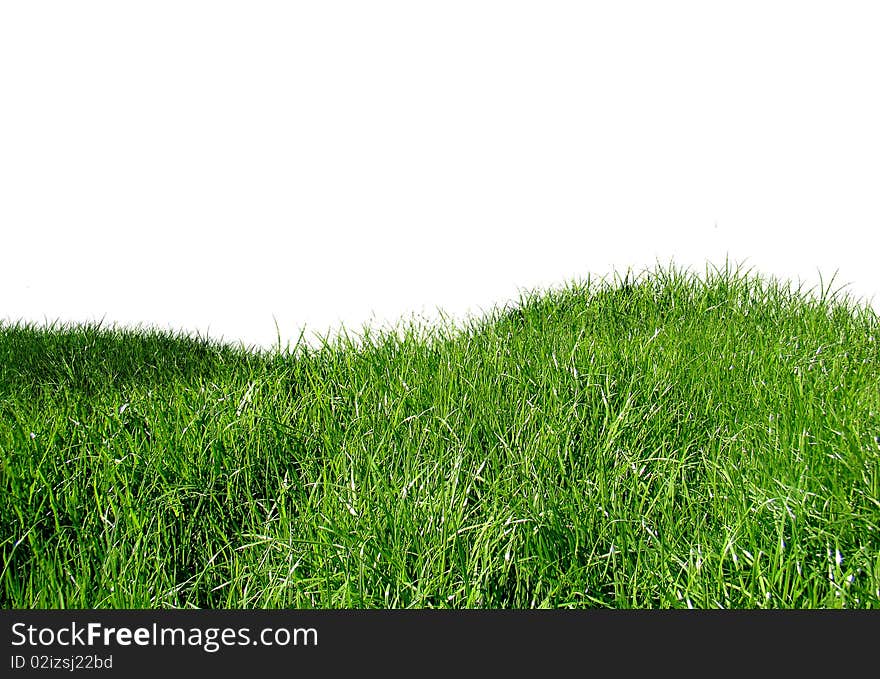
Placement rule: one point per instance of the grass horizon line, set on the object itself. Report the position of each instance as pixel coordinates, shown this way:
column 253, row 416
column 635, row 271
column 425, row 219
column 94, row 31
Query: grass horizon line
column 445, row 321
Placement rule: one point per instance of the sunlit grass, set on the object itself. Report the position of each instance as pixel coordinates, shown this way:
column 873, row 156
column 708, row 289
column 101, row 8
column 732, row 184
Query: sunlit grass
column 663, row 440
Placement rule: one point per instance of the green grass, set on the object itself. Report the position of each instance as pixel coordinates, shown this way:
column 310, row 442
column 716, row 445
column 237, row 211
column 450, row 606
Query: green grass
column 664, row 440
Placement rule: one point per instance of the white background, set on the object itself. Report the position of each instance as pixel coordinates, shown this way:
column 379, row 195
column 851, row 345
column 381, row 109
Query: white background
column 210, row 165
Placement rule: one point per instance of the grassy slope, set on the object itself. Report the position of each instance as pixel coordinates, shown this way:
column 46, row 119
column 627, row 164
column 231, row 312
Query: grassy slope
column 662, row 442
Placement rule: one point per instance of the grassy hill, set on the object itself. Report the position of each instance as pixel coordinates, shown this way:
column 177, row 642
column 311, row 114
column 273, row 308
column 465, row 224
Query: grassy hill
column 667, row 440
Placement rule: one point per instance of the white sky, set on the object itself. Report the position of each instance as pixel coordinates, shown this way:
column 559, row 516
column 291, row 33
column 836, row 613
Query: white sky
column 210, row 165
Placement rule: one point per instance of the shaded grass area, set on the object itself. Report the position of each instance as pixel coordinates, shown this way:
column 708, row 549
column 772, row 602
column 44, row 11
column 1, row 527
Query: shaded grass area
column 663, row 440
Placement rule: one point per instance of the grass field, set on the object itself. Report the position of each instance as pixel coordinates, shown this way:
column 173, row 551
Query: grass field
column 663, row 440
